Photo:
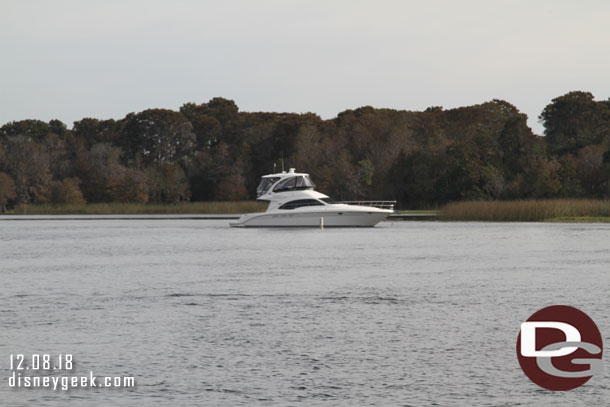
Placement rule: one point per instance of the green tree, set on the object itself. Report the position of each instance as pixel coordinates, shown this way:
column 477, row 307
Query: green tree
column 7, row 191
column 231, row 188
column 58, row 127
column 366, row 171
column 591, row 171
column 29, row 128
column 417, row 179
column 98, row 131
column 128, row 185
column 29, row 165
column 66, row 191
column 206, row 128
column 224, row 110
column 568, row 177
column 59, row 156
column 541, row 179
column 575, row 120
column 168, row 184
column 158, row 136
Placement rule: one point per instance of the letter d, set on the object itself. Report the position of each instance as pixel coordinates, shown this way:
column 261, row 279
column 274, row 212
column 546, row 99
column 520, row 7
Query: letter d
column 528, row 338
column 11, row 380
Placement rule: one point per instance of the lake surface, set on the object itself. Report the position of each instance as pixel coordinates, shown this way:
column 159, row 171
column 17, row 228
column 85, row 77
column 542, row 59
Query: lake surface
column 407, row 313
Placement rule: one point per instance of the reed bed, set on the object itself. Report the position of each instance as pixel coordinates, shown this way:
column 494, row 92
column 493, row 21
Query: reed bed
column 528, row 210
column 134, row 208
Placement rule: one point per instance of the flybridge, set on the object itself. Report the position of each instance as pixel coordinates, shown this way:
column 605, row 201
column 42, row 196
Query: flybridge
column 283, row 182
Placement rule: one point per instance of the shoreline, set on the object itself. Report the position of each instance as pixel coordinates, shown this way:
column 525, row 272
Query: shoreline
column 544, row 210
column 400, row 217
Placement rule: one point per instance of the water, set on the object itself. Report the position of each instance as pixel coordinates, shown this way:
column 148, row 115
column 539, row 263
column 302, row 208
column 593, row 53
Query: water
column 408, row 313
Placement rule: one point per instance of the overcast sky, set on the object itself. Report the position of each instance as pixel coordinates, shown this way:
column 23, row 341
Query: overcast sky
column 73, row 59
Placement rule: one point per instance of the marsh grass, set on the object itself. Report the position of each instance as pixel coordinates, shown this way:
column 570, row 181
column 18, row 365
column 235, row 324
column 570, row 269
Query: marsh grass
column 553, row 210
column 560, row 210
column 418, row 211
column 133, row 208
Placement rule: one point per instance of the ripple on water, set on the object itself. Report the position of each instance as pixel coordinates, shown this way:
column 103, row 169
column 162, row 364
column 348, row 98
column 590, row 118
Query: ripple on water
column 417, row 314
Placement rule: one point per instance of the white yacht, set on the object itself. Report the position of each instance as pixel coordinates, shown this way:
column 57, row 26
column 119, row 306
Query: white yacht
column 294, row 203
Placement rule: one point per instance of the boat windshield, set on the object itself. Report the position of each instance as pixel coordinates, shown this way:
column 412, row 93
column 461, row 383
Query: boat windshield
column 265, row 184
column 294, row 183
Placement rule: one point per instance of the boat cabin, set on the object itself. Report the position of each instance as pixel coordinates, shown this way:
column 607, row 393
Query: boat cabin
column 284, row 182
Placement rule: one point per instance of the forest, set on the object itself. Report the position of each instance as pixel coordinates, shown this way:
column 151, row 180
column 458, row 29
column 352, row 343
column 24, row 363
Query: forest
column 214, row 152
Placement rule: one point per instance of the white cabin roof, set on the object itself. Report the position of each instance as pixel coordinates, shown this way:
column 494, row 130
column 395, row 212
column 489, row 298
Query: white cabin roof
column 291, row 172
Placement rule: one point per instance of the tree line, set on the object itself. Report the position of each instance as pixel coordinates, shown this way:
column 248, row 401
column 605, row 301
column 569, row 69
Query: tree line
column 212, row 151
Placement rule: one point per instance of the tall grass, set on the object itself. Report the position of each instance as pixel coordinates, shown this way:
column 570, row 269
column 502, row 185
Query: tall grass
column 527, row 210
column 133, row 208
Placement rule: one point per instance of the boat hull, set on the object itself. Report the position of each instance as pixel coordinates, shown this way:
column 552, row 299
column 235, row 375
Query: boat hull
column 312, row 219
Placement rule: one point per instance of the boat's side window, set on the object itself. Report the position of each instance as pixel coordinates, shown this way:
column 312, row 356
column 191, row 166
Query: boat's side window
column 300, row 182
column 305, row 182
column 329, row 201
column 265, row 184
column 301, row 202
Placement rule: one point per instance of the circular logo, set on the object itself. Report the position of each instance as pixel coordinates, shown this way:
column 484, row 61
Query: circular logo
column 559, row 348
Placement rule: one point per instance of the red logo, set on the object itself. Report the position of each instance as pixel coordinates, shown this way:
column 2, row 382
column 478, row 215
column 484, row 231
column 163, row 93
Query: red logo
column 559, row 348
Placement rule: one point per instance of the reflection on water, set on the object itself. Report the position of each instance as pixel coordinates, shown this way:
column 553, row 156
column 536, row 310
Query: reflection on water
column 201, row 314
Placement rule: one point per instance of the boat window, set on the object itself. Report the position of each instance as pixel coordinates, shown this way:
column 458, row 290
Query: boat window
column 301, row 202
column 288, row 184
column 294, row 183
column 265, row 184
column 329, row 201
column 307, row 182
column 304, row 182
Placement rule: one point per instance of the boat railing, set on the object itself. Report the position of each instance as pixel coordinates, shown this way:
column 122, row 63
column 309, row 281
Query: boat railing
column 376, row 204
